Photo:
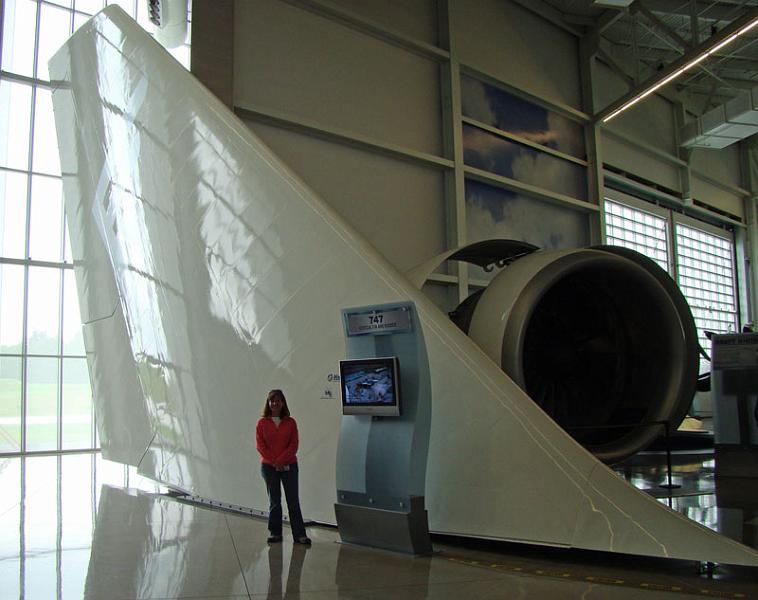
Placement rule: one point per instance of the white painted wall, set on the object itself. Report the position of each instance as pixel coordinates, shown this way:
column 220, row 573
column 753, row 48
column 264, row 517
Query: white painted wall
column 291, row 60
column 414, row 18
column 322, row 72
column 635, row 161
column 516, row 46
column 399, row 207
column 651, row 124
column 723, row 165
column 716, row 196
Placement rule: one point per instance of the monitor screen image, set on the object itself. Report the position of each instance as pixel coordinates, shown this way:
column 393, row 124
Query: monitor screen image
column 370, row 386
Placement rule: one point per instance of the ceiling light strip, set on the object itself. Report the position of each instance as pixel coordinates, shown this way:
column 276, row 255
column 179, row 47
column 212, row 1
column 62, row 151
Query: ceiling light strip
column 700, row 58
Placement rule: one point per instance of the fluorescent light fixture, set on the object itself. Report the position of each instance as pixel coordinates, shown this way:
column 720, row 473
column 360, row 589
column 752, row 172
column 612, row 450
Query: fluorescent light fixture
column 613, row 3
column 695, row 61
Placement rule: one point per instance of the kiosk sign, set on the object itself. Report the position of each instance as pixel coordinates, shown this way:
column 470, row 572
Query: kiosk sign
column 385, row 320
column 734, row 351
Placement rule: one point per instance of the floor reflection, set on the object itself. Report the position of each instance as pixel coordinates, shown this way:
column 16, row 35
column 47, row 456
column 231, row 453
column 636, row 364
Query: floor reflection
column 165, row 549
column 48, row 509
column 289, row 586
column 728, row 505
column 77, row 526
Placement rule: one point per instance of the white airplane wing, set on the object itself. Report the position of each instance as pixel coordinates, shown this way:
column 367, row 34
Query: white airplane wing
column 210, row 273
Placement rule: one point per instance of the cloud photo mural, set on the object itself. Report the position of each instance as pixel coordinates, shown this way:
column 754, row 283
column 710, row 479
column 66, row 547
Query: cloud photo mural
column 494, row 212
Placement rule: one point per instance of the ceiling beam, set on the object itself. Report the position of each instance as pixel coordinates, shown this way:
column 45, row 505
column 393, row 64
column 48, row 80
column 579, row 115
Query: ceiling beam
column 737, row 63
column 703, row 75
column 694, row 24
column 671, row 35
column 705, row 9
column 681, row 62
column 643, row 46
column 734, row 82
column 701, row 89
column 606, row 19
column 660, row 24
column 725, row 59
column 615, row 65
column 549, row 13
column 622, row 68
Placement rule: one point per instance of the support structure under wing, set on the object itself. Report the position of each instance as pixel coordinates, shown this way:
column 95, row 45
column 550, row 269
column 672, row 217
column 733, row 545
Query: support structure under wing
column 230, row 275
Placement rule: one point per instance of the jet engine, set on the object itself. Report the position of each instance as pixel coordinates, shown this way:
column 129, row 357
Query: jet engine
column 600, row 338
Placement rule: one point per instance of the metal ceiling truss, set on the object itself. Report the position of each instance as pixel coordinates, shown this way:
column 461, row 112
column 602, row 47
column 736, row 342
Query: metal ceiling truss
column 650, row 39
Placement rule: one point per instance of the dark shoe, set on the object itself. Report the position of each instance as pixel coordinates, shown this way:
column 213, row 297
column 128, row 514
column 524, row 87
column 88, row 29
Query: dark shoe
column 303, row 540
column 273, row 539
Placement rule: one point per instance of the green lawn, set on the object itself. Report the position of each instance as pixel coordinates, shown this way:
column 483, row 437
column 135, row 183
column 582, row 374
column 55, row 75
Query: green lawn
column 42, row 398
column 10, row 438
column 44, row 436
column 42, row 402
column 10, row 397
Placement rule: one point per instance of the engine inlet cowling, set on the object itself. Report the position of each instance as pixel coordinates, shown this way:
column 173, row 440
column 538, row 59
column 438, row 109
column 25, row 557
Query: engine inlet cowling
column 600, row 338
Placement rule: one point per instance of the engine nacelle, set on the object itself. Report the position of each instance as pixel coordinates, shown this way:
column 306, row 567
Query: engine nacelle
column 600, row 338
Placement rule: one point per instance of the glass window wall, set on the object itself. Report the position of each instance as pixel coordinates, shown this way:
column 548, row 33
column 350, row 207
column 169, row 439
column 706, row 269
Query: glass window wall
column 639, row 230
column 702, row 264
column 45, row 397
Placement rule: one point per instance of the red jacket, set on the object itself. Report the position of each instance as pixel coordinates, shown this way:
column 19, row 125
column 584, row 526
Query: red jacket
column 276, row 445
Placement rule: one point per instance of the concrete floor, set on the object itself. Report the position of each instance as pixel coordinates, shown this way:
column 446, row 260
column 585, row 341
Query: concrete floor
column 78, row 526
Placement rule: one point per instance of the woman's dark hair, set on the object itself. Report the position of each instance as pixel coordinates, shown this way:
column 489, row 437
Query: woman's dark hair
column 285, row 409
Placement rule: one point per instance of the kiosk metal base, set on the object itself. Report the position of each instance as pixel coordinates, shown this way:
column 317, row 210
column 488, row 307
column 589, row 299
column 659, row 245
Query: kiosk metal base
column 406, row 532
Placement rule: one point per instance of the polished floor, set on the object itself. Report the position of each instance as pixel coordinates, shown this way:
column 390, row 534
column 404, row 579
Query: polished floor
column 78, row 526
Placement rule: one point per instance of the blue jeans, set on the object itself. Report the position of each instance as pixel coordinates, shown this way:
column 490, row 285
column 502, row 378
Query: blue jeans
column 275, row 480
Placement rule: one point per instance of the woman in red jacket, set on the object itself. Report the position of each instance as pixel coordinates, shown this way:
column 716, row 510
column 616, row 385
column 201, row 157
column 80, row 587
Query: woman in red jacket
column 276, row 440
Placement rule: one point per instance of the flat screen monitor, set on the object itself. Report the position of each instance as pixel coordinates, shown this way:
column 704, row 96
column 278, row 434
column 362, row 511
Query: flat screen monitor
column 370, row 386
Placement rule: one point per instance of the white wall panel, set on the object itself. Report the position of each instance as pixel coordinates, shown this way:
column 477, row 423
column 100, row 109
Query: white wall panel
column 718, row 197
column 445, row 296
column 633, row 160
column 650, row 121
column 414, row 18
column 513, row 44
column 291, row 60
column 607, row 85
column 397, row 206
column 723, row 165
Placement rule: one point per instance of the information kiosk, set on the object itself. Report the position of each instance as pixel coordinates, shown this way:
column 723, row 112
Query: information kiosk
column 384, row 435
column 734, row 381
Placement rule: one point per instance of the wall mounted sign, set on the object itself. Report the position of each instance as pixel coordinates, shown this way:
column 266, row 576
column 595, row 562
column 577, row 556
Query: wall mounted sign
column 393, row 319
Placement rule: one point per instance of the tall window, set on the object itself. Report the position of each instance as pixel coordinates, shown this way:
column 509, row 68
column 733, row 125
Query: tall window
column 703, row 265
column 705, row 271
column 45, row 397
column 639, row 230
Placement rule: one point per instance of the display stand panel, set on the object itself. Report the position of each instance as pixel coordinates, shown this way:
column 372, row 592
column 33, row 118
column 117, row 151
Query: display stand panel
column 381, row 459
